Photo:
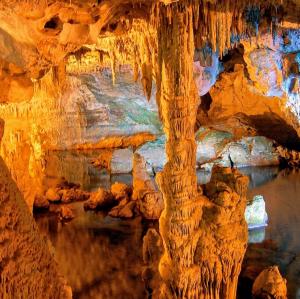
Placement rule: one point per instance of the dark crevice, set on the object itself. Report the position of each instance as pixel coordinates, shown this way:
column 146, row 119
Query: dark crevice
column 274, row 127
column 54, row 23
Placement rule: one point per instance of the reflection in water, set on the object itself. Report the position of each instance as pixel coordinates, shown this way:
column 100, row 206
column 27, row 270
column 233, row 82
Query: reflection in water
column 260, row 175
column 101, row 256
column 76, row 167
column 282, row 197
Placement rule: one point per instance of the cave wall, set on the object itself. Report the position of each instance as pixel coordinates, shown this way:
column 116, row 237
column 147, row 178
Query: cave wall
column 27, row 264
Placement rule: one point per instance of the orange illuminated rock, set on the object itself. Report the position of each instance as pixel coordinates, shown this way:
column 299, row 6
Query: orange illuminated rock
column 204, row 235
column 53, row 195
column 119, row 142
column 270, row 284
column 71, row 195
column 148, row 199
column 28, row 267
column 125, row 209
column 41, row 202
column 100, row 199
column 269, row 116
column 121, row 191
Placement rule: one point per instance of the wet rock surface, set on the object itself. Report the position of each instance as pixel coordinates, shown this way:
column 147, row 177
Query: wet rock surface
column 121, row 191
column 100, row 199
column 41, row 203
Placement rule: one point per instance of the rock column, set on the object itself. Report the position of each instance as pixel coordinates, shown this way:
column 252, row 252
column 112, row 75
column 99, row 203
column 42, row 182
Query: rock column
column 204, row 233
column 176, row 95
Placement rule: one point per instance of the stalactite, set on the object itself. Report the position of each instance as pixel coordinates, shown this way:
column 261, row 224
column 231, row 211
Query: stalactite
column 113, row 66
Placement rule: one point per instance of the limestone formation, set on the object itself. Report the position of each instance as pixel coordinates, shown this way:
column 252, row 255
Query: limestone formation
column 28, row 268
column 120, row 191
column 125, row 209
column 148, row 198
column 49, row 53
column 134, row 140
column 289, row 157
column 184, row 262
column 40, row 203
column 121, row 161
column 53, row 195
column 270, row 284
column 100, row 199
column 255, row 214
column 73, row 195
column 62, row 191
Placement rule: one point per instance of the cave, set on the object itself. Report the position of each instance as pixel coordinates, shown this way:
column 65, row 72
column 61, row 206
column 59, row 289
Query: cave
column 150, row 149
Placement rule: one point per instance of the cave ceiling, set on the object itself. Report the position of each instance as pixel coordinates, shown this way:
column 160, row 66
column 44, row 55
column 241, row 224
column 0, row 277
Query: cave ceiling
column 36, row 35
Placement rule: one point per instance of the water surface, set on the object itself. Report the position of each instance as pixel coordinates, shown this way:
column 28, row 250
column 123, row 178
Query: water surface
column 101, row 257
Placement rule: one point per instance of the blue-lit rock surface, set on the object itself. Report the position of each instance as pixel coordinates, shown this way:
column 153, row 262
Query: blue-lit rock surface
column 255, row 214
column 217, row 147
column 125, row 110
column 274, row 67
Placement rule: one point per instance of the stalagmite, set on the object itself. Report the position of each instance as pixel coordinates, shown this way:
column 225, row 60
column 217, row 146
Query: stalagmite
column 179, row 222
column 200, row 260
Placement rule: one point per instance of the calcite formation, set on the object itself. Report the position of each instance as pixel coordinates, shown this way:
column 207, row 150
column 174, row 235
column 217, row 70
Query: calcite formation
column 149, row 200
column 44, row 45
column 184, row 266
column 28, row 268
column 270, row 284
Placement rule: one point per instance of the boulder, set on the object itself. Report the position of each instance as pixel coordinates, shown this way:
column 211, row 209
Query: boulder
column 120, row 191
column 255, row 214
column 101, row 199
column 52, row 195
column 125, row 209
column 121, row 161
column 41, row 202
column 71, row 195
column 149, row 200
column 270, row 284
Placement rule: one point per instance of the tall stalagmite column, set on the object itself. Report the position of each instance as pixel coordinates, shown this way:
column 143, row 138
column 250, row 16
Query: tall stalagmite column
column 176, row 95
column 204, row 235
